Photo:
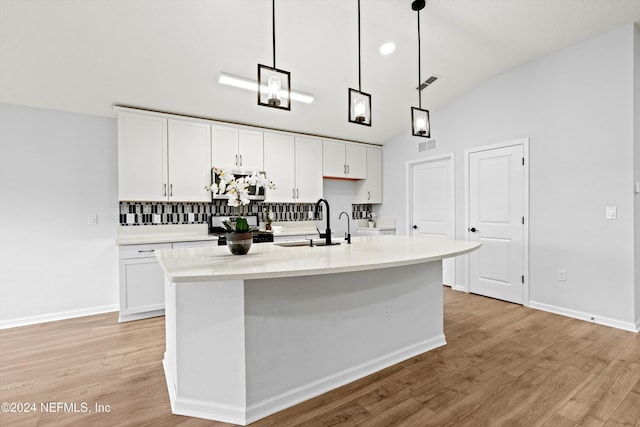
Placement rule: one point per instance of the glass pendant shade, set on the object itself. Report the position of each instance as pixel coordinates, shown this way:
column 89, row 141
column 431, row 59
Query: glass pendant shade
column 420, row 122
column 359, row 107
column 274, row 87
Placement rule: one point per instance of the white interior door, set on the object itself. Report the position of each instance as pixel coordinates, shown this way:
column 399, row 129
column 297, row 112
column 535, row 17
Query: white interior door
column 432, row 205
column 496, row 218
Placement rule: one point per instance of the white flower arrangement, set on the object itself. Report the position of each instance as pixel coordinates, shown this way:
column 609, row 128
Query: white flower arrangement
column 237, row 189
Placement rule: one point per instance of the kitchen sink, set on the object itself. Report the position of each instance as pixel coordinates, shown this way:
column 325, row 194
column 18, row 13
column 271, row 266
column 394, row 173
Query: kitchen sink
column 297, row 243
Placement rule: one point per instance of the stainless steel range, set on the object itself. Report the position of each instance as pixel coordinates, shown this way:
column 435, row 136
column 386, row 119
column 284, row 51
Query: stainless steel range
column 216, row 228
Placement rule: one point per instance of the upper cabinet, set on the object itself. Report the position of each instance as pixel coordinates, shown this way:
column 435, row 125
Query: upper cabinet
column 237, row 149
column 189, row 161
column 142, row 137
column 162, row 159
column 294, row 164
column 344, row 160
column 370, row 189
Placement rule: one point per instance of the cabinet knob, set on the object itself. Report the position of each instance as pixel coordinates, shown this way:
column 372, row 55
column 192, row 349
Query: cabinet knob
column 415, row 227
column 473, row 229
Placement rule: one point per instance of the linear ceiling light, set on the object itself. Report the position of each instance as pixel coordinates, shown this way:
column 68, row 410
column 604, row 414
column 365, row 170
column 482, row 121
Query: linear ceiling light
column 359, row 102
column 249, row 84
column 420, row 121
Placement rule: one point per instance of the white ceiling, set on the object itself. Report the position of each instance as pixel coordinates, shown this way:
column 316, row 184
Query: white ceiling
column 86, row 56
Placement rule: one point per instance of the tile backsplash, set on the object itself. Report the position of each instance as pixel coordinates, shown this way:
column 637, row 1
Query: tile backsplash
column 160, row 213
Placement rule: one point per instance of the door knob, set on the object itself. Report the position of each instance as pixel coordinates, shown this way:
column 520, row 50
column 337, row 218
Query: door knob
column 415, row 227
column 473, row 229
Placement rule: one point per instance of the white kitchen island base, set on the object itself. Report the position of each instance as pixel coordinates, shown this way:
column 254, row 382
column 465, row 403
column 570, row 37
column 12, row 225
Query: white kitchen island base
column 238, row 350
column 247, row 349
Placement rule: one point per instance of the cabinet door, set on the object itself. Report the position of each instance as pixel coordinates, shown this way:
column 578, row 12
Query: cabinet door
column 279, row 158
column 374, row 174
column 308, row 166
column 333, row 160
column 142, row 157
column 250, row 150
column 356, row 159
column 189, row 161
column 224, row 147
column 141, row 286
column 370, row 190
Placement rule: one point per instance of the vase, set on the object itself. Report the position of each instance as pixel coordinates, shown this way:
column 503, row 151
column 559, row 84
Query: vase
column 239, row 243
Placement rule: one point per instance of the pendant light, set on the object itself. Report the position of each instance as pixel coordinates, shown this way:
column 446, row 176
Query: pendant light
column 420, row 122
column 274, row 85
column 359, row 102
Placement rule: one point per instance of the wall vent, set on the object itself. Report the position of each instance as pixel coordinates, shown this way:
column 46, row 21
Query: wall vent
column 428, row 145
column 427, row 82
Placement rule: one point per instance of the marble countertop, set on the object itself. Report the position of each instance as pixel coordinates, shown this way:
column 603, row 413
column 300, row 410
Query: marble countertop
column 268, row 260
column 140, row 235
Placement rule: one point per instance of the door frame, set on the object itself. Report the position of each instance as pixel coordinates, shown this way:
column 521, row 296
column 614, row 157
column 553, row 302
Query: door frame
column 409, row 198
column 524, row 142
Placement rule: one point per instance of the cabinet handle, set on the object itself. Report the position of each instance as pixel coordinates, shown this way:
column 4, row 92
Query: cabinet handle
column 297, row 193
column 164, row 190
column 236, row 160
column 294, row 192
column 347, row 169
column 368, row 195
column 171, row 190
column 147, row 251
column 240, row 159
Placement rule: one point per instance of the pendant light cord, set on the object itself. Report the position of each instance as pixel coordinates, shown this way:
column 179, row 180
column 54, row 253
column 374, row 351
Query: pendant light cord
column 359, row 59
column 273, row 21
column 419, row 63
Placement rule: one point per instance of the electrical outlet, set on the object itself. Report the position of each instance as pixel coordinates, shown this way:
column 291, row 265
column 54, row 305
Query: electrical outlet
column 192, row 217
column 611, row 212
column 157, row 219
column 92, row 219
column 562, row 275
column 386, row 309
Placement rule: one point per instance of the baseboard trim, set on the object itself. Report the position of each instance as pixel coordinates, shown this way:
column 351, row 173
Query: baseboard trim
column 52, row 317
column 638, row 326
column 593, row 318
column 243, row 416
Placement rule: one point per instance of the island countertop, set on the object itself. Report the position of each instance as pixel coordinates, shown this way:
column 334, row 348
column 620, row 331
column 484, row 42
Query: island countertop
column 268, row 260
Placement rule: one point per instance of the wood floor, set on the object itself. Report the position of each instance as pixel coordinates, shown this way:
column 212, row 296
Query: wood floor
column 504, row 365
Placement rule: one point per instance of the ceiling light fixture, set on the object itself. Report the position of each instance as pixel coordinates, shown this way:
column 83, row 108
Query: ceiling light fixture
column 387, row 48
column 275, row 84
column 420, row 121
column 250, row 84
column 359, row 102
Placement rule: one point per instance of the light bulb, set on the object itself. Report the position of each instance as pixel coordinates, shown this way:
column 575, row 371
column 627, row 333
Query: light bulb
column 273, row 96
column 359, row 109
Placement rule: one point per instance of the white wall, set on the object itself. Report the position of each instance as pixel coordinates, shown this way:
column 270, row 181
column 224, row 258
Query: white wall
column 55, row 169
column 576, row 106
column 636, row 127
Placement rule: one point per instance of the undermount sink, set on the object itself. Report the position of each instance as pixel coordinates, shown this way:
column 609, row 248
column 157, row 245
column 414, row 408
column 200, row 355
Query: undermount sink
column 297, row 243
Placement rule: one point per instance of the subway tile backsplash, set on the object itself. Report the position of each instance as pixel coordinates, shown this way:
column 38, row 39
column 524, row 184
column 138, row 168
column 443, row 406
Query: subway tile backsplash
column 161, row 213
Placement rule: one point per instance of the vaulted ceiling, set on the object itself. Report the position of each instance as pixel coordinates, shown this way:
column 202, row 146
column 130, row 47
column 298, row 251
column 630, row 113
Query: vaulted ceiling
column 86, row 56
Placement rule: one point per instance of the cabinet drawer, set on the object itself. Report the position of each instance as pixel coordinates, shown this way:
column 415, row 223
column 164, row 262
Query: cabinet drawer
column 142, row 251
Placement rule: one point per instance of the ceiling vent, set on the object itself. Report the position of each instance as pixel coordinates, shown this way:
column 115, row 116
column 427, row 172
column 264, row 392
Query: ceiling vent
column 428, row 145
column 427, row 82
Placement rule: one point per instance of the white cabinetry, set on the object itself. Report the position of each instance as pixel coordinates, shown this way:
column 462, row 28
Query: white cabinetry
column 237, row 149
column 295, row 166
column 142, row 279
column 189, row 161
column 343, row 160
column 162, row 159
column 141, row 282
column 142, row 157
column 370, row 189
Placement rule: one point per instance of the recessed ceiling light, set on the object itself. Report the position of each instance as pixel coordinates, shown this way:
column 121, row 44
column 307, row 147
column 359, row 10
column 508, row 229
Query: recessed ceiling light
column 387, row 48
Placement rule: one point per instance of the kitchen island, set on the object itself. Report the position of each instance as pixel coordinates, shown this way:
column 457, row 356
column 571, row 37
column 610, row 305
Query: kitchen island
column 247, row 336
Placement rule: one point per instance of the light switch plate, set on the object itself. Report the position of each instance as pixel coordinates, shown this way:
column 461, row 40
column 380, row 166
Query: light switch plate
column 611, row 212
column 92, row 219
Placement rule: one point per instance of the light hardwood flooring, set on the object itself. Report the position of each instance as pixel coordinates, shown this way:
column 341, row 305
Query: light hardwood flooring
column 504, row 365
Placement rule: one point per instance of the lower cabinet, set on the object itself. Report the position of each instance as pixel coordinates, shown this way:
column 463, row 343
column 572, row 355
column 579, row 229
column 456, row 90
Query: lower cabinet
column 142, row 279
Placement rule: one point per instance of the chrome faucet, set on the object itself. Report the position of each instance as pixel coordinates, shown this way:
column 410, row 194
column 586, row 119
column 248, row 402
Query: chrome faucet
column 327, row 235
column 347, row 235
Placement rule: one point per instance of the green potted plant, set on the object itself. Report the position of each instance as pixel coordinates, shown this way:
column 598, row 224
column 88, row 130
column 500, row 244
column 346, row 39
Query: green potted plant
column 239, row 233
